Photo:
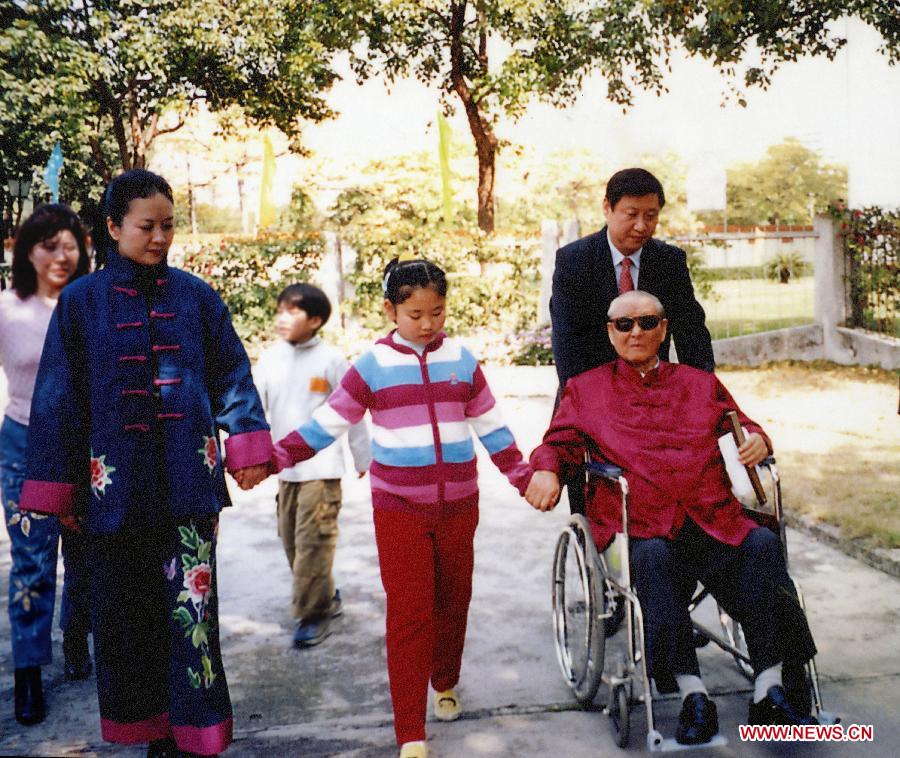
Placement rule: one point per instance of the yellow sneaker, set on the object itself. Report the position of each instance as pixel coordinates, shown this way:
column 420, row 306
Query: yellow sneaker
column 414, row 750
column 447, row 706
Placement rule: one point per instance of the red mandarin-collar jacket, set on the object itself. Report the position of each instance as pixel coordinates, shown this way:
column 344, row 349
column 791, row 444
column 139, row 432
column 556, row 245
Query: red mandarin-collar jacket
column 662, row 429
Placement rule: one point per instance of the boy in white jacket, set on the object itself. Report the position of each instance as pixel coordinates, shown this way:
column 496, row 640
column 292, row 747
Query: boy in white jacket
column 294, row 377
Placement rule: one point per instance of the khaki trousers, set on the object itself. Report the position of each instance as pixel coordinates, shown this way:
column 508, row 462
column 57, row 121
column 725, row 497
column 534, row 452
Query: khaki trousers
column 308, row 527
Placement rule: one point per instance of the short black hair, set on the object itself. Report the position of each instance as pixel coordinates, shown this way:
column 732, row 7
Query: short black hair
column 309, row 298
column 131, row 185
column 45, row 223
column 402, row 278
column 636, row 182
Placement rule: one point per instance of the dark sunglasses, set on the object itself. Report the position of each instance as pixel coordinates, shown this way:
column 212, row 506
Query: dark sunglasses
column 626, row 323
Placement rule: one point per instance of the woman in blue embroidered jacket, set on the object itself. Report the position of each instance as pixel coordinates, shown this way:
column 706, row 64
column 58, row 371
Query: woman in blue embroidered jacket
column 140, row 369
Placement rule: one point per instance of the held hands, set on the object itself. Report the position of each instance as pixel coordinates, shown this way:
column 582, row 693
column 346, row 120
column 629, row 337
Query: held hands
column 248, row 477
column 753, row 450
column 543, row 490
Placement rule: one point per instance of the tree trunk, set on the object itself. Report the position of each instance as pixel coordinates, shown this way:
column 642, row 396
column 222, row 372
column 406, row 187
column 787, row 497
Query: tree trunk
column 482, row 131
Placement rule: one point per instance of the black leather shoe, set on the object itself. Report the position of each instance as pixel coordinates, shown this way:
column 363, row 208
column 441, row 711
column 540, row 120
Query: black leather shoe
column 775, row 708
column 29, row 696
column 698, row 721
column 797, row 686
column 163, row 749
column 77, row 658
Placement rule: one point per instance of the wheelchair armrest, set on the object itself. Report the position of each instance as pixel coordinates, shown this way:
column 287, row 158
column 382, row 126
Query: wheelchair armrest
column 606, row 470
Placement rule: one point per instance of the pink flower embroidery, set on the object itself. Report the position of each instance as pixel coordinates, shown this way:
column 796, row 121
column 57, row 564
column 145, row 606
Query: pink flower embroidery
column 100, row 472
column 209, row 452
column 197, row 581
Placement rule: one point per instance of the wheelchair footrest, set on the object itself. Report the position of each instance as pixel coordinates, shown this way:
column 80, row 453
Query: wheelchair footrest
column 669, row 745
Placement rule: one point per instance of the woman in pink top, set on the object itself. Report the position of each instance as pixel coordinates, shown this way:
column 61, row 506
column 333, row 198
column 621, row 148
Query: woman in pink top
column 50, row 251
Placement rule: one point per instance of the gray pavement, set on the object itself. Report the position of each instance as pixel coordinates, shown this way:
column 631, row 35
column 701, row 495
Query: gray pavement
column 333, row 700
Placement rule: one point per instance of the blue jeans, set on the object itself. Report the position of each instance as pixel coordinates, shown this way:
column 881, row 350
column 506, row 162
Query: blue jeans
column 34, row 540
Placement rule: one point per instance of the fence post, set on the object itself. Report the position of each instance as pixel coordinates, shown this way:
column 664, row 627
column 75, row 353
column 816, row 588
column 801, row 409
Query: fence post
column 571, row 231
column 331, row 275
column 549, row 246
column 830, row 280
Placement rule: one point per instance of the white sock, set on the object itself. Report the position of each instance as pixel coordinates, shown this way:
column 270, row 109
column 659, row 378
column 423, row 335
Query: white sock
column 771, row 677
column 688, row 684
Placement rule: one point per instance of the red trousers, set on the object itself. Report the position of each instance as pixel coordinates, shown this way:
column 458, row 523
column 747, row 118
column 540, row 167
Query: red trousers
column 426, row 569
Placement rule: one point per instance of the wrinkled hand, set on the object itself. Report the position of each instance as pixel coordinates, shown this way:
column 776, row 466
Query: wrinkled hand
column 543, row 490
column 249, row 476
column 753, row 450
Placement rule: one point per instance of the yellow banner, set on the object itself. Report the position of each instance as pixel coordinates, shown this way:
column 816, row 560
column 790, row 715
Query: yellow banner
column 267, row 212
column 444, row 155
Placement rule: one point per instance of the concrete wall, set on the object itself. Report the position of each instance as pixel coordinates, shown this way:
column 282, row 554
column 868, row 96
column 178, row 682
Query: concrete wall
column 755, row 249
column 802, row 343
column 867, row 349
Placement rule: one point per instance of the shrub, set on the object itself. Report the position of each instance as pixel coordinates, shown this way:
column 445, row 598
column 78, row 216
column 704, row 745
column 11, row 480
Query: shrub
column 249, row 274
column 532, row 347
column 783, row 266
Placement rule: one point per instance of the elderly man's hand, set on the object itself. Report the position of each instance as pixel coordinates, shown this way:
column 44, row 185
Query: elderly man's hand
column 753, row 450
column 543, row 490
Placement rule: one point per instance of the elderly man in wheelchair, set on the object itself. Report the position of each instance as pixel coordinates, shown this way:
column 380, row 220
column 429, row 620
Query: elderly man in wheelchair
column 659, row 423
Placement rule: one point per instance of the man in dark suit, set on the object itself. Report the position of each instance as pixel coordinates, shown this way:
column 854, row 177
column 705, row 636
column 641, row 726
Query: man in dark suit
column 622, row 256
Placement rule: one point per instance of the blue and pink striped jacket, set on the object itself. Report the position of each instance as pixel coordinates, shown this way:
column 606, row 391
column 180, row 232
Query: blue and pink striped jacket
column 422, row 407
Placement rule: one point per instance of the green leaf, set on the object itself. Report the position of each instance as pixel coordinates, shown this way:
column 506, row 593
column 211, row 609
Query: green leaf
column 189, row 537
column 199, row 636
column 183, row 596
column 204, row 551
column 194, row 678
column 183, row 617
column 187, row 562
column 208, row 674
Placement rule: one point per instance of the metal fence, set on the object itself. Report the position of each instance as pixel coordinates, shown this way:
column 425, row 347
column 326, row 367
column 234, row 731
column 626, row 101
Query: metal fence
column 873, row 274
column 750, row 282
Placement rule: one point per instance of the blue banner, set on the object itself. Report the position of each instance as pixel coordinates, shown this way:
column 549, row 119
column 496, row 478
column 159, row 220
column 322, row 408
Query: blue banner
column 52, row 169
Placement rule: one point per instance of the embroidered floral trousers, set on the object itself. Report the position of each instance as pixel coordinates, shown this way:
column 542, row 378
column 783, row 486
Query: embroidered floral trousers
column 155, row 615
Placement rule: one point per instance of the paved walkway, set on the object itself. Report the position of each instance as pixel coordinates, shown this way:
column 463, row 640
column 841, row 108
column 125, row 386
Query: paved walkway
column 333, row 700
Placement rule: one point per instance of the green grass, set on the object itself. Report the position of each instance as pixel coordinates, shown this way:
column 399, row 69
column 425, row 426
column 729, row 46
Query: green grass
column 748, row 306
column 834, row 429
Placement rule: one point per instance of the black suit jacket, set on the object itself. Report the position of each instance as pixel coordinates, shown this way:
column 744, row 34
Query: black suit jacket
column 584, row 284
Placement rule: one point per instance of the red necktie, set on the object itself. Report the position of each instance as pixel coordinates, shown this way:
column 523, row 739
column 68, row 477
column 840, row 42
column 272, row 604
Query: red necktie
column 626, row 283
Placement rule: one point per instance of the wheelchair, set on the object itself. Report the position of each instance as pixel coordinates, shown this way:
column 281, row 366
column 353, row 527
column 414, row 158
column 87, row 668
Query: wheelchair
column 586, row 594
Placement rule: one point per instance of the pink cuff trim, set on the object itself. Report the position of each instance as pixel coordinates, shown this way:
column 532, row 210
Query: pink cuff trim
column 207, row 740
column 159, row 314
column 47, row 497
column 135, row 733
column 126, row 291
column 247, row 449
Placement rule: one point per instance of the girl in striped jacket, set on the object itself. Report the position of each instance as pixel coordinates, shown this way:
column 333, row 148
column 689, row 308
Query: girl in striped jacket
column 424, row 391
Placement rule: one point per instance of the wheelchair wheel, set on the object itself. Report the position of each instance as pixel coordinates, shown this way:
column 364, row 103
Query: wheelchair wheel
column 734, row 635
column 620, row 715
column 578, row 592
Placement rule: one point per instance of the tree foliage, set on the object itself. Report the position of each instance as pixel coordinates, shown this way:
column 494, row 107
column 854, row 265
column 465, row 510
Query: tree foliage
column 493, row 57
column 108, row 77
column 788, row 186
